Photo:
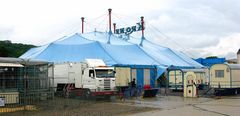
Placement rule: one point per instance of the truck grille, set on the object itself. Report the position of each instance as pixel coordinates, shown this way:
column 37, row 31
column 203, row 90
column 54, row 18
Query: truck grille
column 107, row 85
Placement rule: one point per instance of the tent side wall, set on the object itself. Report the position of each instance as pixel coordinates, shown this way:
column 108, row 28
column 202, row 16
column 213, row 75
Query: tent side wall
column 144, row 75
column 220, row 76
column 123, row 76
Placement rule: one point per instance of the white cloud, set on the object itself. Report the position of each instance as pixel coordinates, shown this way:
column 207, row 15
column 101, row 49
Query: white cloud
column 5, row 32
column 200, row 28
column 227, row 45
column 196, row 27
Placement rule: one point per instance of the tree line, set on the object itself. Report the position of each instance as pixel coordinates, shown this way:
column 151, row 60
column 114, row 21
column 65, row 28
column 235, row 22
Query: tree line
column 9, row 49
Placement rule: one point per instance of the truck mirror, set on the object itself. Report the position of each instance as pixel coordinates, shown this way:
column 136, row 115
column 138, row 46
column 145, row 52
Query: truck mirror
column 91, row 75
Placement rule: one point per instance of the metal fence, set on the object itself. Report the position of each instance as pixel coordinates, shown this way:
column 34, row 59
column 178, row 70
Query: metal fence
column 23, row 87
column 129, row 92
column 16, row 101
column 225, row 84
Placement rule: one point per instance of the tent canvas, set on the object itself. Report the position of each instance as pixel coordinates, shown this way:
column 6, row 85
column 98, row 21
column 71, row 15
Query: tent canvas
column 112, row 50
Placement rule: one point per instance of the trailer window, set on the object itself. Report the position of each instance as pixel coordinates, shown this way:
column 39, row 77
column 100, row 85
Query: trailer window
column 219, row 73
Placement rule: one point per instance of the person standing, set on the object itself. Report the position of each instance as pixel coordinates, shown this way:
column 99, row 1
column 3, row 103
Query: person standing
column 133, row 83
column 133, row 87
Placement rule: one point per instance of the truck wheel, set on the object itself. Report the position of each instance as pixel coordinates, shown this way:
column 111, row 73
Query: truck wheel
column 87, row 94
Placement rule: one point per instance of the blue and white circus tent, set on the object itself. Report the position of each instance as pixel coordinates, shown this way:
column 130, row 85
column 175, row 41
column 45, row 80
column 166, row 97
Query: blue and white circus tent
column 112, row 49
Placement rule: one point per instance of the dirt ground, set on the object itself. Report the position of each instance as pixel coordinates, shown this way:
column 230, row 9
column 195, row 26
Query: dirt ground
column 160, row 105
column 179, row 106
column 73, row 107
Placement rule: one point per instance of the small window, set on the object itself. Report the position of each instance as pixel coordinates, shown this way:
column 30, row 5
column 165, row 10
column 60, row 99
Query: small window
column 91, row 72
column 219, row 73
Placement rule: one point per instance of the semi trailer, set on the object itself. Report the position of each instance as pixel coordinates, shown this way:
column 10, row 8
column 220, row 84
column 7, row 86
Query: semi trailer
column 89, row 78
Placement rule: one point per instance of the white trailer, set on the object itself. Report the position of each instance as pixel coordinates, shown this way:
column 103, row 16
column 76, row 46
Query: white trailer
column 90, row 77
column 225, row 78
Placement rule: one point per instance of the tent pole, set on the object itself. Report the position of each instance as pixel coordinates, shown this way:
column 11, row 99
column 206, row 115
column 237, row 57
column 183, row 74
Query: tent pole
column 114, row 28
column 82, row 24
column 110, row 30
column 110, row 23
column 142, row 24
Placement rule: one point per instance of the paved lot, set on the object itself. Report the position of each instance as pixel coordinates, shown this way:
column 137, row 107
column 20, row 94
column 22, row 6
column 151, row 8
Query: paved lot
column 179, row 106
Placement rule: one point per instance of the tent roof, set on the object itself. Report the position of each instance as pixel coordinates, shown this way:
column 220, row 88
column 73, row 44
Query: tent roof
column 165, row 56
column 95, row 45
column 104, row 37
column 75, row 39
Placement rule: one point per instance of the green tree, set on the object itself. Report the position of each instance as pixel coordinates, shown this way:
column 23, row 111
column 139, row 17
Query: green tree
column 8, row 49
column 3, row 52
column 210, row 57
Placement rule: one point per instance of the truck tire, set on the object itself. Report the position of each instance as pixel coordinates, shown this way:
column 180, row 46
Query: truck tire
column 87, row 94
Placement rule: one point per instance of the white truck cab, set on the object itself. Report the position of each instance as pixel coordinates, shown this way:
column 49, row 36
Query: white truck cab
column 99, row 78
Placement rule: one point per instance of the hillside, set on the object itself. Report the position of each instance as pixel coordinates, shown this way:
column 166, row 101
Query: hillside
column 9, row 49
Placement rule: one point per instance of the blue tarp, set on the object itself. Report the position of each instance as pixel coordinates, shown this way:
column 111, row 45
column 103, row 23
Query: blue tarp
column 155, row 70
column 135, row 66
column 208, row 62
column 160, row 71
column 152, row 77
column 140, row 77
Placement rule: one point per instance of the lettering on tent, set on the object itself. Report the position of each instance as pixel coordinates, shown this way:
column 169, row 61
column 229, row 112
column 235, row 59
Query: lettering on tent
column 129, row 30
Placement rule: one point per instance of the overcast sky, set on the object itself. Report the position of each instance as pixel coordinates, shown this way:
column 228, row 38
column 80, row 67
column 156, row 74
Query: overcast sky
column 199, row 28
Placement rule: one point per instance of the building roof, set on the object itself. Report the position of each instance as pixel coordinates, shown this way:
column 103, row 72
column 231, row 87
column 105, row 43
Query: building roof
column 10, row 65
column 234, row 66
column 10, row 60
column 232, row 61
column 231, row 66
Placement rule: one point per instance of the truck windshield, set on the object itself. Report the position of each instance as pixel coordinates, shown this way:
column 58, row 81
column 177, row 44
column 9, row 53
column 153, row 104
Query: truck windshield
column 104, row 73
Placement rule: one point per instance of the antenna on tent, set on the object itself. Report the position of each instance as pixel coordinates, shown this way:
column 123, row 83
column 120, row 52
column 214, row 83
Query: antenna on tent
column 110, row 30
column 114, row 28
column 82, row 24
column 95, row 30
column 142, row 24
